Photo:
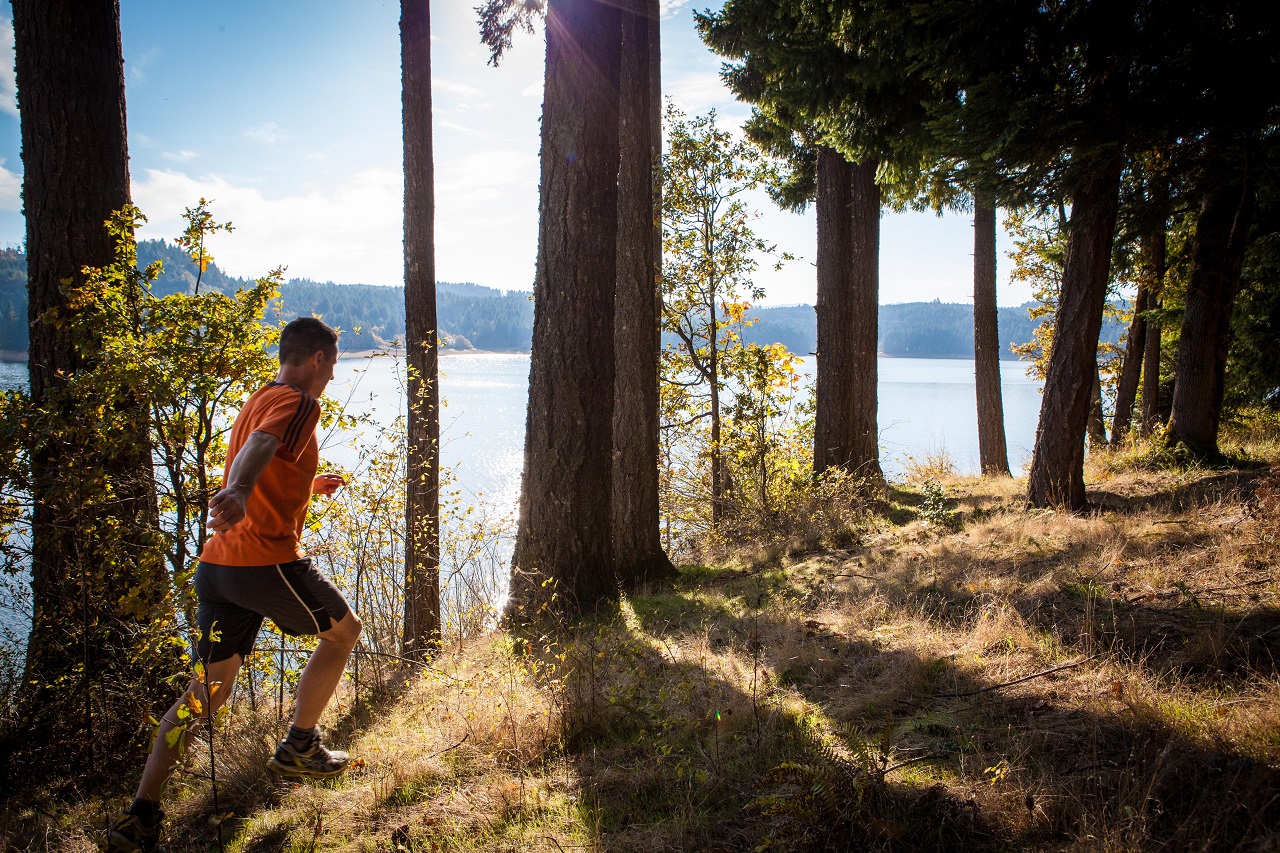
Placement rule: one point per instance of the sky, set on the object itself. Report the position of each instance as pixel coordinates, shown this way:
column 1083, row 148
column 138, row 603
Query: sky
column 286, row 114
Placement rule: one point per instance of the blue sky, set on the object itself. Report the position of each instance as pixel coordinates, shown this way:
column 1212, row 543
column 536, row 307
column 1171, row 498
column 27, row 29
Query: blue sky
column 287, row 114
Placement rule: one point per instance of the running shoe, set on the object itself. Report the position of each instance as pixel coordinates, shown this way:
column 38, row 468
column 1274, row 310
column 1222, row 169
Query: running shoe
column 130, row 834
column 317, row 761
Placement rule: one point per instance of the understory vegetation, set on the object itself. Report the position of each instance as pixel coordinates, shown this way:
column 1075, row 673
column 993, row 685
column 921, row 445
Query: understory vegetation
column 968, row 675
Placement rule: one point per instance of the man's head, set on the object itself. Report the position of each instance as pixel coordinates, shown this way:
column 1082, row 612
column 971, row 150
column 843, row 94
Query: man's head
column 308, row 354
column 303, row 338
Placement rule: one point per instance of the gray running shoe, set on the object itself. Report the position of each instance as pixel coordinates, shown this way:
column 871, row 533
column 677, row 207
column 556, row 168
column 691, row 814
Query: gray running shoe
column 318, row 761
column 130, row 834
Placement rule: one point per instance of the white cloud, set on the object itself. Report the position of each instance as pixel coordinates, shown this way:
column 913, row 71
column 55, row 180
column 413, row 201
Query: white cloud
column 480, row 177
column 455, row 89
column 440, row 124
column 138, row 67
column 179, row 156
column 698, row 92
column 8, row 80
column 10, row 189
column 533, row 90
column 350, row 232
column 268, row 133
column 670, row 7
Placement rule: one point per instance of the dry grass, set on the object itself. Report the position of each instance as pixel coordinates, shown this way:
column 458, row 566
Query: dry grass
column 1027, row 680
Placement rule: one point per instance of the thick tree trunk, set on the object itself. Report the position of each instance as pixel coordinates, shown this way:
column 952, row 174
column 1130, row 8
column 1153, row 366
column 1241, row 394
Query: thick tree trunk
column 993, row 454
column 564, row 542
column 1131, row 370
column 845, row 433
column 97, row 575
column 1056, row 477
column 1222, row 231
column 422, row 484
column 637, row 544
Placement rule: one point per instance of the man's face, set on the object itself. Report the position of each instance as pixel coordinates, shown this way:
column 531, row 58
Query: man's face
column 322, row 374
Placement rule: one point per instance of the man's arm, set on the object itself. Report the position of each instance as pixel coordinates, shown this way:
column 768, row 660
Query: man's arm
column 226, row 508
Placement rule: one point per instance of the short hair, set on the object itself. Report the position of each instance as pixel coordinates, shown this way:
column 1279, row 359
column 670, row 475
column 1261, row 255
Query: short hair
column 304, row 337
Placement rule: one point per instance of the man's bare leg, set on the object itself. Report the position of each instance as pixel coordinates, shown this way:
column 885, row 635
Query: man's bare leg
column 163, row 757
column 320, row 678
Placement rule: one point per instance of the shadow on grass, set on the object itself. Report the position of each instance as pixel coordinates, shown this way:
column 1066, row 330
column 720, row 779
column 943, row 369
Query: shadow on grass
column 867, row 747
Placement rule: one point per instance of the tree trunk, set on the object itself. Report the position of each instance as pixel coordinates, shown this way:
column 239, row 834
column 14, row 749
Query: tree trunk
column 1155, row 244
column 564, row 542
column 993, row 454
column 1056, row 477
column 845, row 433
column 1151, row 374
column 97, row 573
column 422, row 484
column 1097, row 428
column 1131, row 370
column 1222, row 231
column 713, row 371
column 637, row 543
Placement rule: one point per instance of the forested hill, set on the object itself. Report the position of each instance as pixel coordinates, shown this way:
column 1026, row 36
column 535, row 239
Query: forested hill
column 369, row 315
column 909, row 330
column 471, row 316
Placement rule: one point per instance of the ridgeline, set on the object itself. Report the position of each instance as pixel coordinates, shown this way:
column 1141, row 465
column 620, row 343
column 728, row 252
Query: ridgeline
column 475, row 317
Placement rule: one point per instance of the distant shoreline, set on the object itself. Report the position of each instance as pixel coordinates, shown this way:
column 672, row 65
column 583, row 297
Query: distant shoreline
column 13, row 356
column 399, row 351
column 17, row 356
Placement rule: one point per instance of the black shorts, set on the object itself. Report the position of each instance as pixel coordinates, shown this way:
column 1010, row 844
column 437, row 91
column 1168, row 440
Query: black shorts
column 234, row 600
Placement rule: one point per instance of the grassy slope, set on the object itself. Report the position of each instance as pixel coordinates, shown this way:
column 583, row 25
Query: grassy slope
column 1026, row 680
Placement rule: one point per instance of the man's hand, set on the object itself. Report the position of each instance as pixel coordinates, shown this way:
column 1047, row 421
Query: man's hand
column 226, row 510
column 227, row 507
column 327, row 484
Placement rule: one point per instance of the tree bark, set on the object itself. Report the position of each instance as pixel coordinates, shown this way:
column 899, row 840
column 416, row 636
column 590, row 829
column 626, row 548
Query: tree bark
column 848, row 204
column 993, row 454
column 637, row 543
column 1222, row 231
column 1097, row 426
column 1131, row 369
column 564, row 543
column 422, row 483
column 97, row 575
column 1155, row 247
column 1056, row 477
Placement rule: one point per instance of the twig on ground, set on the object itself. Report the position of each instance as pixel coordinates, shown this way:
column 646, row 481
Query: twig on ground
column 450, row 748
column 991, row 687
column 926, row 757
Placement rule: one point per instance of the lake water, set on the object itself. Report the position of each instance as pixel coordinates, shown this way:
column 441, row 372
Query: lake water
column 925, row 406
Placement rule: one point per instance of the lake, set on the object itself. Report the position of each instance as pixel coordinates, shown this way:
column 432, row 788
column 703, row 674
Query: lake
column 925, row 406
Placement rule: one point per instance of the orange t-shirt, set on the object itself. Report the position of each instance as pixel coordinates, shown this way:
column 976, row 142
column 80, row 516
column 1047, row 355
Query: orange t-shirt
column 277, row 507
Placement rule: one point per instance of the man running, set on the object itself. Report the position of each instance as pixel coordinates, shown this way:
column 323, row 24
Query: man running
column 253, row 567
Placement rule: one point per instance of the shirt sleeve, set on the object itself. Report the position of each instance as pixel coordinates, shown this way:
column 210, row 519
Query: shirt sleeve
column 292, row 419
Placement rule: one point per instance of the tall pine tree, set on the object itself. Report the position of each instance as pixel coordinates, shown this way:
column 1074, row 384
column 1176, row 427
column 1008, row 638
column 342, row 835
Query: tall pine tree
column 98, row 582
column 422, row 499
column 564, row 552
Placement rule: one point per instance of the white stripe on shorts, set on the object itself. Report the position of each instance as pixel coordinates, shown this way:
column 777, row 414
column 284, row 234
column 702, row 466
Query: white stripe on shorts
column 300, row 601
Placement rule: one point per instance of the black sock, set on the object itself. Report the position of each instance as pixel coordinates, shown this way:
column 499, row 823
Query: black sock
column 147, row 810
column 301, row 740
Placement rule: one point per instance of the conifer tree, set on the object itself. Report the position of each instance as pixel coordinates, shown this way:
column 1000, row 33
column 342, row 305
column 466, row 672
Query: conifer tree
column 637, row 543
column 422, row 504
column 564, row 553
column 98, row 580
